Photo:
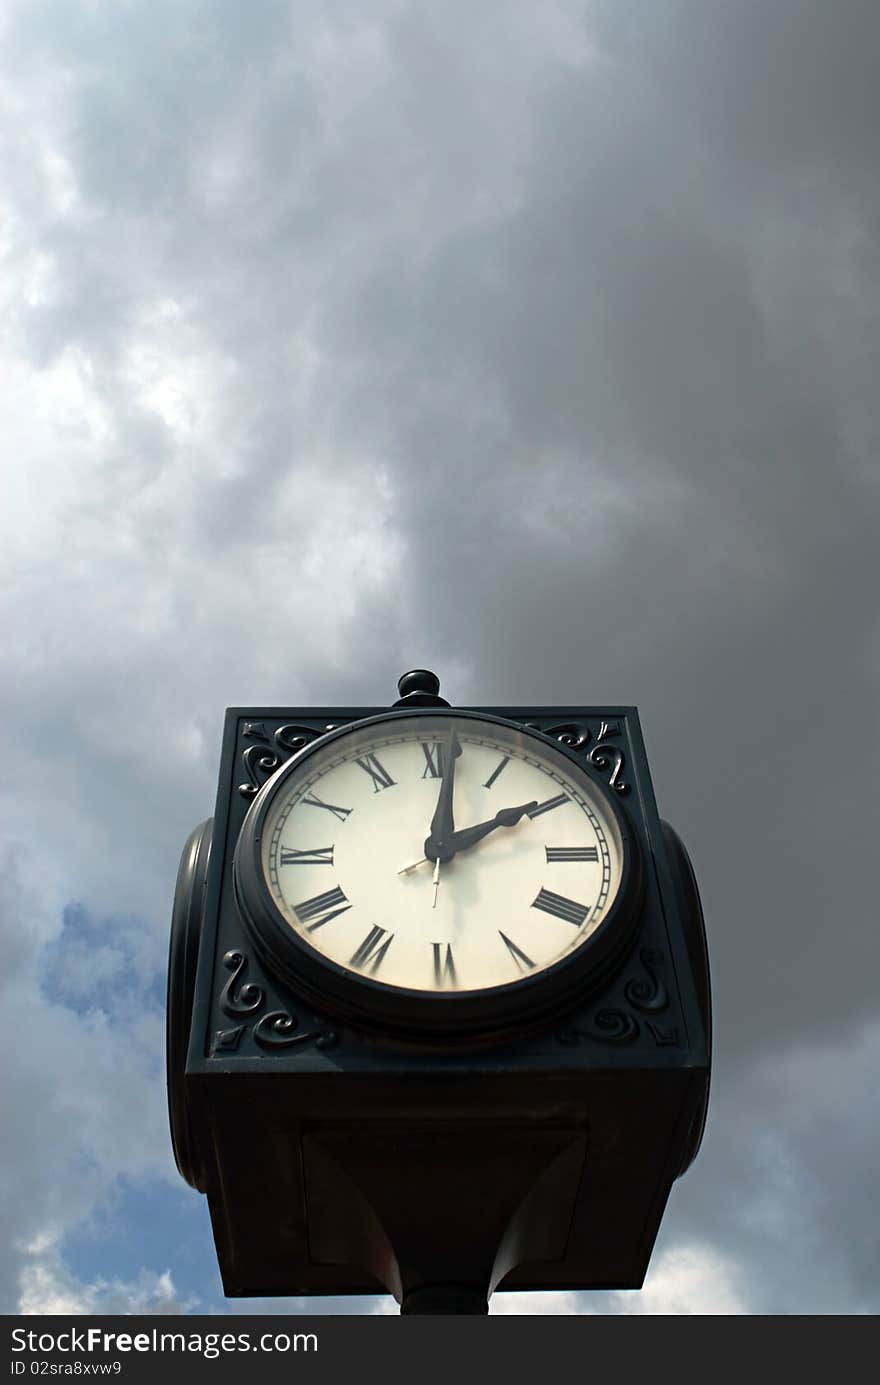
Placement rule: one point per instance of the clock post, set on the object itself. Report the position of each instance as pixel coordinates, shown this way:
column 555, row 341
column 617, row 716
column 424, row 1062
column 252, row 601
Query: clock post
column 438, row 1002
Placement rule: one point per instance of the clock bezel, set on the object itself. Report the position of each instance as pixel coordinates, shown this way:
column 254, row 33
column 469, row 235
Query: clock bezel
column 367, row 1002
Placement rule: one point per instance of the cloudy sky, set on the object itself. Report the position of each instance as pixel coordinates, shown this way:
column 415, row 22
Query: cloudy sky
column 534, row 343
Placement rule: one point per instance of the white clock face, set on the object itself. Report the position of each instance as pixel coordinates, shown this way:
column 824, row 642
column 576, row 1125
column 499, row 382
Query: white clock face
column 530, row 855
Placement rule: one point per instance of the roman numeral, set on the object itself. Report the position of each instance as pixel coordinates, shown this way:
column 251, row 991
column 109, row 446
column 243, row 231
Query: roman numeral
column 315, row 856
column 370, row 949
column 379, row 775
column 434, row 758
column 572, row 853
column 523, row 962
column 445, row 970
column 316, row 802
column 496, row 771
column 563, row 908
column 549, row 803
column 322, row 908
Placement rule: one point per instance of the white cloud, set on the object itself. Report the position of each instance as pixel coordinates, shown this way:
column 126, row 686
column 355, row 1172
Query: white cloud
column 545, row 1303
column 687, row 1280
column 48, row 1288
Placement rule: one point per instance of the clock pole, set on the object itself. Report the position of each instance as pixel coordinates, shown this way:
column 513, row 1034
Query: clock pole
column 445, row 1298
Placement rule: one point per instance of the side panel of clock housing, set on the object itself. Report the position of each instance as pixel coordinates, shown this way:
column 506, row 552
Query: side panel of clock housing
column 627, row 1072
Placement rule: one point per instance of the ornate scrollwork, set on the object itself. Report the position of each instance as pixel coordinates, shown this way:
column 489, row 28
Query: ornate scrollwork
column 292, row 738
column 278, row 1029
column 604, row 756
column 609, row 1026
column 250, row 996
column 259, row 762
column 574, row 735
column 648, row 993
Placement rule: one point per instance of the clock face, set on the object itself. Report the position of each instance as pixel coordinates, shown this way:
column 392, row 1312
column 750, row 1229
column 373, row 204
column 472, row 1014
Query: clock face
column 441, row 855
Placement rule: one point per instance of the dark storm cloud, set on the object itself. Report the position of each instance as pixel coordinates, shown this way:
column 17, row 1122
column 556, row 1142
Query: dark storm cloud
column 653, row 484
column 534, row 344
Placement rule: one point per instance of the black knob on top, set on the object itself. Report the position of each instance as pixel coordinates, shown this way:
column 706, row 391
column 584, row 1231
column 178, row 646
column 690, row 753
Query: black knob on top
column 419, row 688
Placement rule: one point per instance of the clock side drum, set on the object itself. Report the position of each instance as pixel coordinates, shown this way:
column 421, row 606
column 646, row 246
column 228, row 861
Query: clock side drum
column 186, row 927
column 694, row 927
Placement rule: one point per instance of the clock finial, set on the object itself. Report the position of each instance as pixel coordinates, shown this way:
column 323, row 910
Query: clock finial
column 419, row 688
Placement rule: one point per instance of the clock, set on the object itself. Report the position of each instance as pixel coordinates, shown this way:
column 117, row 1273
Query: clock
column 444, row 873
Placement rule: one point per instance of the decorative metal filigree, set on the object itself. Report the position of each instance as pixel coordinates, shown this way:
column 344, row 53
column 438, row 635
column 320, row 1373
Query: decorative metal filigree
column 609, row 1027
column 648, row 993
column 278, row 1029
column 605, row 756
column 574, row 735
column 292, row 738
column 249, row 998
column 261, row 761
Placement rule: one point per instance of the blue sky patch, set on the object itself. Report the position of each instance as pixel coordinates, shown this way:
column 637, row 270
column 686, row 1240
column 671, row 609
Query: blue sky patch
column 104, row 963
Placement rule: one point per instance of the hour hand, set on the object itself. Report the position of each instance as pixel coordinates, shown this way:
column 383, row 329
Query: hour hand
column 443, row 823
column 505, row 817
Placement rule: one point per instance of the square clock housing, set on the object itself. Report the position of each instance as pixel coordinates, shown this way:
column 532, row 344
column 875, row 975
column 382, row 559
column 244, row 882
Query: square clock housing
column 439, row 1008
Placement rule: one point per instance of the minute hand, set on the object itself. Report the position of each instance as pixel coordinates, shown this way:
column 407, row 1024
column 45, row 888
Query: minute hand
column 443, row 823
column 505, row 817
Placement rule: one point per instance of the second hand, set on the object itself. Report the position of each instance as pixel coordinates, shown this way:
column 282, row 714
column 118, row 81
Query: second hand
column 436, row 883
column 415, row 865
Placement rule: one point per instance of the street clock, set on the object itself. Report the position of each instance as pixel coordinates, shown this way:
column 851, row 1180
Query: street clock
column 430, row 941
